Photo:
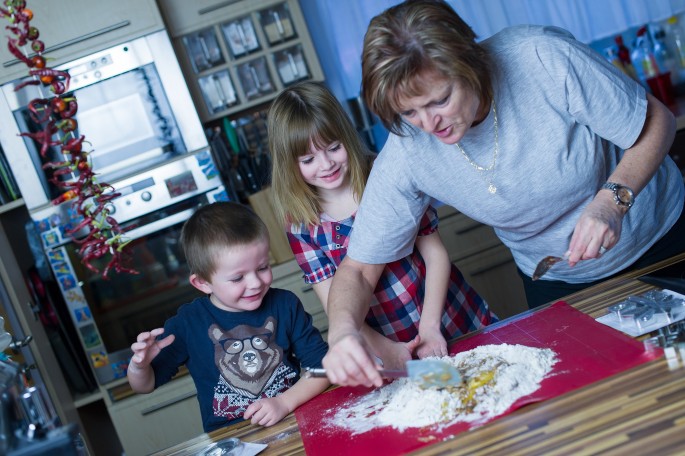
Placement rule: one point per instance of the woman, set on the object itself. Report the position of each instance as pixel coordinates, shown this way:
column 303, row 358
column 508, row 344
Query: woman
column 530, row 132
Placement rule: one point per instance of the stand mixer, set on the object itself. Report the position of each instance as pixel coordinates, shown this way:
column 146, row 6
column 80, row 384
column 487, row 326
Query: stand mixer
column 28, row 424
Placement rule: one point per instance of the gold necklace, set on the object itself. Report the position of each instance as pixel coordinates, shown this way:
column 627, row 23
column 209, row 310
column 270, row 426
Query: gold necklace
column 491, row 187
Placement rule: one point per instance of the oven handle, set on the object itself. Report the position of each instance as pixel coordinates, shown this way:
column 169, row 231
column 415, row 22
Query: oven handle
column 160, row 224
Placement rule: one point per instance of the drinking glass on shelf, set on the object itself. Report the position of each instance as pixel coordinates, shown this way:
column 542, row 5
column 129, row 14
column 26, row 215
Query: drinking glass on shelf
column 203, row 49
column 255, row 79
column 241, row 37
column 277, row 24
column 291, row 65
column 218, row 91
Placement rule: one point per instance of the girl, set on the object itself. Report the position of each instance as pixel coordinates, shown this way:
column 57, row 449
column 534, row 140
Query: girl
column 320, row 168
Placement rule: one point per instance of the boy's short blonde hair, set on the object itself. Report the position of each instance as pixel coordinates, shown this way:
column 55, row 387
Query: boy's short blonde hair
column 215, row 227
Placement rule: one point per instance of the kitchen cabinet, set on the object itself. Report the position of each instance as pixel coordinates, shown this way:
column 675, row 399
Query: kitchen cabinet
column 237, row 55
column 76, row 28
column 152, row 422
column 485, row 262
column 288, row 276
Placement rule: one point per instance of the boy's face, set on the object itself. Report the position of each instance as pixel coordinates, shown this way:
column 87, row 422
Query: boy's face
column 242, row 277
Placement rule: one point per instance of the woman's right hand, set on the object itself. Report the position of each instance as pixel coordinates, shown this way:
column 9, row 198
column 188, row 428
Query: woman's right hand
column 349, row 362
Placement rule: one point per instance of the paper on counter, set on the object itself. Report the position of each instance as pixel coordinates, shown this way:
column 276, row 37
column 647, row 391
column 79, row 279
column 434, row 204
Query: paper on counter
column 245, row 449
column 658, row 321
column 250, row 449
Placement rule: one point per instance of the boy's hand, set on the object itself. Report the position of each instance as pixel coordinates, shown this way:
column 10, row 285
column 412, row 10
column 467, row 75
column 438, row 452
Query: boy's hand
column 267, row 411
column 432, row 344
column 147, row 346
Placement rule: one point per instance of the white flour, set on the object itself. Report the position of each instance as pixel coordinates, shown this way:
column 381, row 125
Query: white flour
column 495, row 376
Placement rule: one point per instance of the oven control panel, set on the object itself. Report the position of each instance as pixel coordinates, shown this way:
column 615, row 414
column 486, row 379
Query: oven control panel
column 163, row 186
column 146, row 192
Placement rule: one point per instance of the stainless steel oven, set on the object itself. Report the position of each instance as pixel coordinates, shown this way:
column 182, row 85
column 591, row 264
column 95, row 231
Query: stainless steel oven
column 109, row 313
column 134, row 109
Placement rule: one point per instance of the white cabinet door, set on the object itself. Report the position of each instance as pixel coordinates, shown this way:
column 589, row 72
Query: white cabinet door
column 147, row 423
column 486, row 263
column 75, row 28
column 288, row 276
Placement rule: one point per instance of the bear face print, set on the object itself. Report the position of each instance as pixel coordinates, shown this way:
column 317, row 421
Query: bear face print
column 246, row 356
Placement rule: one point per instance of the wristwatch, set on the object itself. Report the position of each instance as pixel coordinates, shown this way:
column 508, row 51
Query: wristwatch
column 624, row 196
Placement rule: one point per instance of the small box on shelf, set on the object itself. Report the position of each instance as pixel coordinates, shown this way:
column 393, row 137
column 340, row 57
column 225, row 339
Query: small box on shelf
column 9, row 190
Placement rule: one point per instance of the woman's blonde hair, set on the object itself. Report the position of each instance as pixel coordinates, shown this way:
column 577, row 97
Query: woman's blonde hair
column 308, row 113
column 411, row 39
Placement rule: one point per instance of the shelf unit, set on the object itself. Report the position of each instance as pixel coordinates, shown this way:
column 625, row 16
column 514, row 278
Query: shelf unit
column 238, row 55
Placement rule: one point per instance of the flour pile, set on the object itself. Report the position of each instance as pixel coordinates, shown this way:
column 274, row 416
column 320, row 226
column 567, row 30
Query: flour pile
column 494, row 377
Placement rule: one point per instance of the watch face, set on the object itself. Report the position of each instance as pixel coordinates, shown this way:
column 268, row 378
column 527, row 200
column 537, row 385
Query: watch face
column 624, row 195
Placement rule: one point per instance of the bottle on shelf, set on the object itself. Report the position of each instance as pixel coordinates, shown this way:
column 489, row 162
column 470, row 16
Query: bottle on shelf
column 675, row 40
column 643, row 57
column 662, row 54
column 623, row 56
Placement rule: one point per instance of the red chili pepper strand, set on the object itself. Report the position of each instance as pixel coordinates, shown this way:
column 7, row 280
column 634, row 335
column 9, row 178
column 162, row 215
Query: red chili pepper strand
column 82, row 224
column 72, row 107
column 17, row 53
column 36, row 106
column 99, row 241
column 74, row 144
column 28, row 82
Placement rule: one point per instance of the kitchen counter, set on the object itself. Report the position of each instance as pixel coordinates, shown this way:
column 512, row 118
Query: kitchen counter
column 638, row 411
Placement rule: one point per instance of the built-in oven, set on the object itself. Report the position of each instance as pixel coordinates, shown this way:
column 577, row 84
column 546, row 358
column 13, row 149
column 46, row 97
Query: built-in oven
column 108, row 313
column 134, row 109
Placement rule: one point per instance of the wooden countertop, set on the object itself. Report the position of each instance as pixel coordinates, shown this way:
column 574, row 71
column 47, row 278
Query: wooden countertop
column 638, row 411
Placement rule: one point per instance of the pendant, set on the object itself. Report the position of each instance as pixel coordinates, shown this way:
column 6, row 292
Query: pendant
column 492, row 189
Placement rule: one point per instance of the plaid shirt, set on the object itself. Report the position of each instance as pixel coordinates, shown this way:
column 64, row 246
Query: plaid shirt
column 396, row 309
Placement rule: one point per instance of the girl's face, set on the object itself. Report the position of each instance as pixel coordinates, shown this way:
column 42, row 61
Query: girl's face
column 242, row 277
column 446, row 109
column 325, row 168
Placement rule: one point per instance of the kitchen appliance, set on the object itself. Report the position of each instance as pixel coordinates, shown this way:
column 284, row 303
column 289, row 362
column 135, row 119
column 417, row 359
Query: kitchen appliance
column 134, row 109
column 109, row 313
column 28, row 423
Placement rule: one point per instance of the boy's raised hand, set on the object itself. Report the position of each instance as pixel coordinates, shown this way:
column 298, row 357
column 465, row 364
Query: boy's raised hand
column 147, row 346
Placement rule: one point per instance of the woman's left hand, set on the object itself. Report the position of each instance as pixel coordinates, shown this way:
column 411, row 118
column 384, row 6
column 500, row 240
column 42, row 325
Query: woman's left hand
column 597, row 230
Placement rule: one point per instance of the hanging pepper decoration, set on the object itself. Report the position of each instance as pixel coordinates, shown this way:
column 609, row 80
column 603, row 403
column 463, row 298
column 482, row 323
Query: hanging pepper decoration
column 55, row 113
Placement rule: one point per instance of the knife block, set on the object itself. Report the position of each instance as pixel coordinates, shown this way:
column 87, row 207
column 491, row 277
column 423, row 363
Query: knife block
column 261, row 204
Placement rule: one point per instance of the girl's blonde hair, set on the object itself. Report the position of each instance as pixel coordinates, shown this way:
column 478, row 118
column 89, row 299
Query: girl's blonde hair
column 302, row 114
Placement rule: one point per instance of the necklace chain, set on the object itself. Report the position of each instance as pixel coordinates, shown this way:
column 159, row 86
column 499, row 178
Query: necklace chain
column 491, row 168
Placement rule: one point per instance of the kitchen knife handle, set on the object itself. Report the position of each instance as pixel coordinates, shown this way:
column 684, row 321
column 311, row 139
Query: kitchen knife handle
column 312, row 372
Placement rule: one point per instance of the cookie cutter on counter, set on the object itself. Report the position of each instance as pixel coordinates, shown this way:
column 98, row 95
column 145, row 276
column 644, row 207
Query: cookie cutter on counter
column 643, row 310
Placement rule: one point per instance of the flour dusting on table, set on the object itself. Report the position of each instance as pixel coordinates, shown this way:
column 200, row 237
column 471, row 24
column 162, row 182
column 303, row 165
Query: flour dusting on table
column 494, row 377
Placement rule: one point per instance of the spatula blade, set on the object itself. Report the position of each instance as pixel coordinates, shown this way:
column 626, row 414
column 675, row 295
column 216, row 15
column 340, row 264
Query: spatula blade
column 546, row 263
column 433, row 373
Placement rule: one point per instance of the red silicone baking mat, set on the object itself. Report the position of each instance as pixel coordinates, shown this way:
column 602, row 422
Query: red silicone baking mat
column 587, row 351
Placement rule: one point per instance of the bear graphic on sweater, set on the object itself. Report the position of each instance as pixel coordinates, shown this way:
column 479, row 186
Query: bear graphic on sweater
column 251, row 367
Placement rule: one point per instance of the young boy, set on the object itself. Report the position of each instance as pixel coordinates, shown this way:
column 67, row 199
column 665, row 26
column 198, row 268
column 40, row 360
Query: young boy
column 240, row 341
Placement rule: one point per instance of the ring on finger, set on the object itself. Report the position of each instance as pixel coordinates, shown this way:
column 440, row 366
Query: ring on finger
column 602, row 250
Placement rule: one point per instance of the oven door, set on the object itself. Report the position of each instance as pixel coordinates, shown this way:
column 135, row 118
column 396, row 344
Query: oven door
column 134, row 110
column 110, row 313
